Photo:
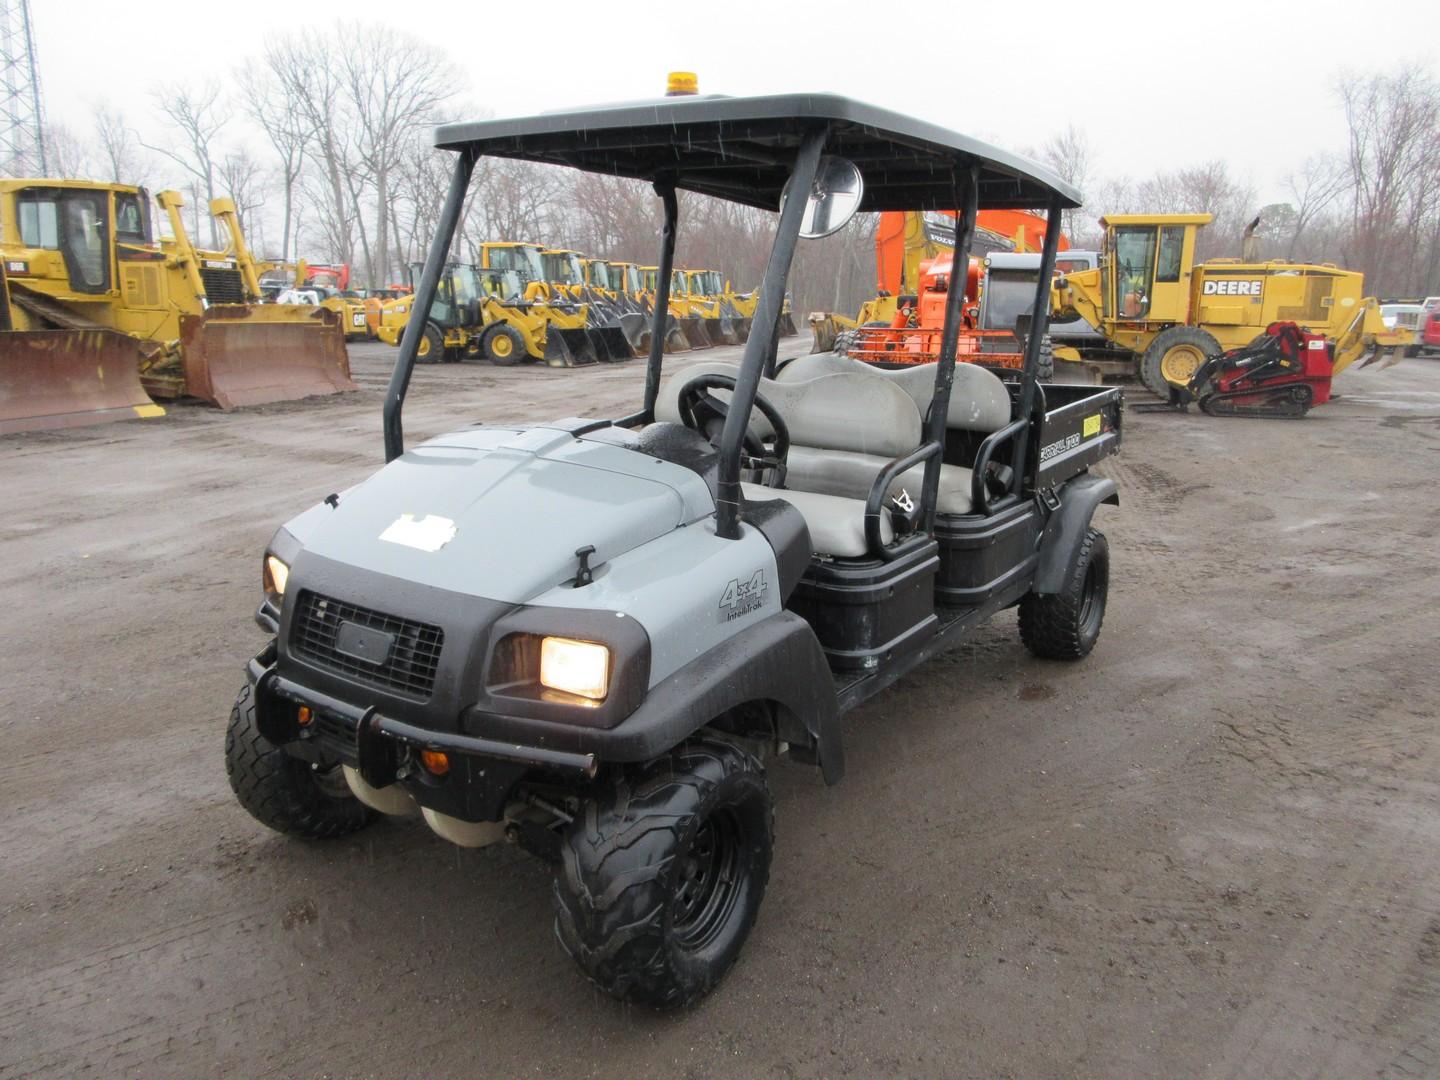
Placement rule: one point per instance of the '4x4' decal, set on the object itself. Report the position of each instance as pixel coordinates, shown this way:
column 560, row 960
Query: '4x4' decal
column 742, row 597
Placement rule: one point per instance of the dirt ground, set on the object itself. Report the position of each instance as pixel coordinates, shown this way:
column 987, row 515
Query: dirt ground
column 1209, row 850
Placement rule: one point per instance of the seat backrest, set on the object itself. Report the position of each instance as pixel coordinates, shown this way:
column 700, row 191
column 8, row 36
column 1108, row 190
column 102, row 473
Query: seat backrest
column 978, row 398
column 844, row 411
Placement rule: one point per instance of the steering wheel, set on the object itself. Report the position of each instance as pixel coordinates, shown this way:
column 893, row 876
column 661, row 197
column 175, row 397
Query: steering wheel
column 703, row 412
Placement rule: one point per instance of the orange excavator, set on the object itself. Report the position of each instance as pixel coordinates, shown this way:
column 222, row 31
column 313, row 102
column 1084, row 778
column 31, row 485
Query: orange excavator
column 907, row 244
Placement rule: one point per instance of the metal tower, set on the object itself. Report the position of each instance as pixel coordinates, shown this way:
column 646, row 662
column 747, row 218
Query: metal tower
column 22, row 128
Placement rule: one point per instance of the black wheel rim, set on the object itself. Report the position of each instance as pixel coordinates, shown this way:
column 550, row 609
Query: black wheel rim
column 709, row 881
column 1090, row 602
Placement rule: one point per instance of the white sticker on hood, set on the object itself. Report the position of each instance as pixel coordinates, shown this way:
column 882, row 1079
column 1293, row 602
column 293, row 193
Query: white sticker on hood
column 429, row 533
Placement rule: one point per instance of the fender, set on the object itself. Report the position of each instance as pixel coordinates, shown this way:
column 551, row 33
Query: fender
column 778, row 660
column 1060, row 542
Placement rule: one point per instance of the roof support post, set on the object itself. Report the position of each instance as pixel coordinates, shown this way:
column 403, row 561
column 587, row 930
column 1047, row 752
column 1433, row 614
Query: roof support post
column 949, row 340
column 422, row 301
column 660, row 322
column 758, row 346
column 1039, row 326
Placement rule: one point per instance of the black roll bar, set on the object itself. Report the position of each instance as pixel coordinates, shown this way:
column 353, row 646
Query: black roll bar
column 660, row 320
column 949, row 342
column 422, row 301
column 1039, row 325
column 767, row 320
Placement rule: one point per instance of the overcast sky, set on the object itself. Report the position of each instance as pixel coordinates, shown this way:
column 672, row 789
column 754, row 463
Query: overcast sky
column 1153, row 85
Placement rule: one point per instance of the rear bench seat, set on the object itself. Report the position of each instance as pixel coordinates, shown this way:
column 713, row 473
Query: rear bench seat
column 847, row 421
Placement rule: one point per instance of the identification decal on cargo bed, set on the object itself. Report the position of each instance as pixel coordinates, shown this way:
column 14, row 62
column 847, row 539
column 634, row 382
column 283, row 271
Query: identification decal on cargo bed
column 742, row 597
column 429, row 533
column 1092, row 425
column 1055, row 449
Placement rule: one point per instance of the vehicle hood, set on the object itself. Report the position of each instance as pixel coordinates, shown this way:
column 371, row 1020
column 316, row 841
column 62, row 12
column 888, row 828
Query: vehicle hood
column 499, row 513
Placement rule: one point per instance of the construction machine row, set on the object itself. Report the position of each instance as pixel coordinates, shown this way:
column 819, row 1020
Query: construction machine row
column 1142, row 307
column 523, row 302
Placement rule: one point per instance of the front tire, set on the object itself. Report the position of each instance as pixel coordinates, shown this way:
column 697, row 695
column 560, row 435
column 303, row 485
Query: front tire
column 1066, row 625
column 432, row 346
column 282, row 792
column 503, row 345
column 662, row 876
column 1174, row 357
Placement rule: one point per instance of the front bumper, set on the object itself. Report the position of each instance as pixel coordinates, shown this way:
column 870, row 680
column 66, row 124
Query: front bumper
column 385, row 750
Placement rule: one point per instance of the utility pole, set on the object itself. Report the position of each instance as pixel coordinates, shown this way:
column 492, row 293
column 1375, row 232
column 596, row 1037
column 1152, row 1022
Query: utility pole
column 22, row 128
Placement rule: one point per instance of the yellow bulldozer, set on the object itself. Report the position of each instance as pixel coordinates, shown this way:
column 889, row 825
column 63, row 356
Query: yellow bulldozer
column 100, row 313
column 1149, row 298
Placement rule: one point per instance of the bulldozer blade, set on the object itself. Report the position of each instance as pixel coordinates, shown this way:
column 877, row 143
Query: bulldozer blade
column 568, row 348
column 612, row 344
column 238, row 354
column 69, row 378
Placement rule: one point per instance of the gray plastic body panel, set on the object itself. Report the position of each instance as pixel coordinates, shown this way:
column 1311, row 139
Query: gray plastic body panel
column 519, row 503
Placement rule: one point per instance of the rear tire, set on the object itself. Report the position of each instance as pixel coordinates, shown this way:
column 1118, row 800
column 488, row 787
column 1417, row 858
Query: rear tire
column 282, row 792
column 432, row 346
column 503, row 345
column 1174, row 351
column 1045, row 369
column 661, row 877
column 1066, row 625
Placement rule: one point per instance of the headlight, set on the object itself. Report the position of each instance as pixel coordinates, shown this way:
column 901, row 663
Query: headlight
column 275, row 576
column 575, row 667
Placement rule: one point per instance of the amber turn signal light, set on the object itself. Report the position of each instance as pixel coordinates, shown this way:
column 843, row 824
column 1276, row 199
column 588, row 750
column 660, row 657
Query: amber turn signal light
column 436, row 762
column 304, row 716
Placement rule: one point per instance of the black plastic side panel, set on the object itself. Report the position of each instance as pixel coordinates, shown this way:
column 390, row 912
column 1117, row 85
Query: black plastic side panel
column 865, row 611
column 789, row 537
column 1060, row 544
column 980, row 556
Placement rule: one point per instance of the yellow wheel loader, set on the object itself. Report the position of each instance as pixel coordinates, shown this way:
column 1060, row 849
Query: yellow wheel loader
column 1166, row 315
column 83, row 260
column 481, row 314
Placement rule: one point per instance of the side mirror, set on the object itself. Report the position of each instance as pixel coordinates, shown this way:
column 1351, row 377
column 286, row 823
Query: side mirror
column 833, row 197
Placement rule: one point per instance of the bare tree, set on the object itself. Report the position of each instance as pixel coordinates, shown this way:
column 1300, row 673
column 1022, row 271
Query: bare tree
column 242, row 178
column 1321, row 180
column 119, row 146
column 289, row 135
column 197, row 115
column 1394, row 153
column 395, row 83
column 67, row 155
column 1068, row 153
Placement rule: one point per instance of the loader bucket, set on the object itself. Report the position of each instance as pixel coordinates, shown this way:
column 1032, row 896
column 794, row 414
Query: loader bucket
column 635, row 325
column 568, row 348
column 823, row 331
column 787, row 325
column 238, row 354
column 69, row 378
column 611, row 343
column 695, row 332
column 721, row 331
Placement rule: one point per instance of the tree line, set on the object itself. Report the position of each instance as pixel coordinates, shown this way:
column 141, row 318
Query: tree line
column 322, row 140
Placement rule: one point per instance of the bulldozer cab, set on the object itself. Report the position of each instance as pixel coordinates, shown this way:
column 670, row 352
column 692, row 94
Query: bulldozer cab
column 70, row 232
column 1148, row 262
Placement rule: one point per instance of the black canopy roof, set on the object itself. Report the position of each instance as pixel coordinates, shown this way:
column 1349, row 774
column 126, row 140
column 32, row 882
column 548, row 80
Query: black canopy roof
column 743, row 148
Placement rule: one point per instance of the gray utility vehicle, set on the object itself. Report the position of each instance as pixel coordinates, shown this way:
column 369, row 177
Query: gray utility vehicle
column 585, row 635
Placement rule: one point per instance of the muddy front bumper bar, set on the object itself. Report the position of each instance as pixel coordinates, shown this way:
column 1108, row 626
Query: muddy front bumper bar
column 385, row 750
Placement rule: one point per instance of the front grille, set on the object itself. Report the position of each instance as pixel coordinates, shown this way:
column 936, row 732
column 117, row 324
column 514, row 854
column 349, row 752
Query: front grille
column 222, row 286
column 410, row 665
